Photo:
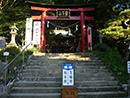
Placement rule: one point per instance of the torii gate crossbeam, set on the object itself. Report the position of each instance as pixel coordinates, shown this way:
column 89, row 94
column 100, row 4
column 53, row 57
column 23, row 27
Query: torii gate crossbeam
column 44, row 8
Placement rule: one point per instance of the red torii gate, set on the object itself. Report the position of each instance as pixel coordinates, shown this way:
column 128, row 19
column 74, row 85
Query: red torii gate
column 44, row 8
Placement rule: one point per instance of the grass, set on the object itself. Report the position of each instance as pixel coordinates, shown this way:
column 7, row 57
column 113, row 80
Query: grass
column 114, row 60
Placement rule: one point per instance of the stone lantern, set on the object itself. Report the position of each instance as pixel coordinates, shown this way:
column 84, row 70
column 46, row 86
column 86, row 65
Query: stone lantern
column 13, row 33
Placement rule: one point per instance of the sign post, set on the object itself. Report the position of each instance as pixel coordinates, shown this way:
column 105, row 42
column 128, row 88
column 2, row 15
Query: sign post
column 2, row 43
column 69, row 90
column 128, row 68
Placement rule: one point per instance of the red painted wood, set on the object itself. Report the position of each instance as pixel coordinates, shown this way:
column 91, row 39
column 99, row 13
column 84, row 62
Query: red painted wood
column 43, row 24
column 54, row 9
column 36, row 17
column 82, row 20
column 55, row 18
column 89, row 18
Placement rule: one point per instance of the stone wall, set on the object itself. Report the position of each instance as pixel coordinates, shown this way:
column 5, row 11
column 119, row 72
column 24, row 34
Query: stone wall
column 2, row 65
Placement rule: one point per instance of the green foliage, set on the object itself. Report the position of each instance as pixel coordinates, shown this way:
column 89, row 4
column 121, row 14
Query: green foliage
column 12, row 50
column 101, row 47
column 115, row 27
column 115, row 61
column 35, row 50
column 18, row 62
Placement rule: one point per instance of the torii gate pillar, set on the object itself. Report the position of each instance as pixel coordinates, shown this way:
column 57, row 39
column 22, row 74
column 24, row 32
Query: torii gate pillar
column 43, row 26
column 82, row 19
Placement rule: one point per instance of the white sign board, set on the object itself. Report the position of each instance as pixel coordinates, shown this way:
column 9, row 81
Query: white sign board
column 68, row 74
column 28, row 34
column 6, row 53
column 2, row 43
column 36, row 32
column 128, row 66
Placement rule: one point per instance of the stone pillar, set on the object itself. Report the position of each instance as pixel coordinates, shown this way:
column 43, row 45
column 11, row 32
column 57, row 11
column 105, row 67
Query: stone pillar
column 12, row 42
column 100, row 38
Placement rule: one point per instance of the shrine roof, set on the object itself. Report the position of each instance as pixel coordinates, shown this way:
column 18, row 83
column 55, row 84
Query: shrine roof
column 60, row 5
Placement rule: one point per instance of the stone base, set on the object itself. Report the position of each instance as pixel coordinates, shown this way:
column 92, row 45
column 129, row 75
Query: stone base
column 3, row 91
column 12, row 44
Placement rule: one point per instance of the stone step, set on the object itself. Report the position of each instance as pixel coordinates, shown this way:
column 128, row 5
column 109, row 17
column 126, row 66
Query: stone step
column 65, row 58
column 31, row 78
column 59, row 89
column 60, row 64
column 58, row 84
column 77, row 75
column 35, row 95
column 97, row 89
column 76, row 66
column 58, row 95
column 109, row 94
column 77, row 79
column 36, row 89
column 32, row 67
column 50, row 62
column 58, row 74
column 41, row 77
column 63, row 55
column 77, row 69
column 59, row 69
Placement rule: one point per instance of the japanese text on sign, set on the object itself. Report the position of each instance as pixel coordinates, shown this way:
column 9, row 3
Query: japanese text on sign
column 36, row 32
column 68, row 74
column 128, row 66
column 63, row 13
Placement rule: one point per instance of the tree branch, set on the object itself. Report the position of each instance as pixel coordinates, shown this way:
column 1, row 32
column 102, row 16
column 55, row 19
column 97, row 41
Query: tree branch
column 13, row 3
column 125, row 22
column 3, row 5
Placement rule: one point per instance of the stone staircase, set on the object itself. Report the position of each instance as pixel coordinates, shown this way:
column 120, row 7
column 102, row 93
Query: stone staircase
column 41, row 77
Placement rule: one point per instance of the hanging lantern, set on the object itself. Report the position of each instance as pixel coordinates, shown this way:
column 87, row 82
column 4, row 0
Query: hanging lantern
column 55, row 30
column 48, row 24
column 76, row 27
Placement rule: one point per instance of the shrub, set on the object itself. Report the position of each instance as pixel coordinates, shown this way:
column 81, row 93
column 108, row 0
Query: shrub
column 101, row 47
column 116, row 63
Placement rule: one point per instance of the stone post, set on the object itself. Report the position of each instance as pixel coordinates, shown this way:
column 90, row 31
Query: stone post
column 100, row 38
column 13, row 34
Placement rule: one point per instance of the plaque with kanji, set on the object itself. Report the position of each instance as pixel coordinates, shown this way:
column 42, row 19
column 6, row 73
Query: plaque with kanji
column 68, row 74
column 63, row 13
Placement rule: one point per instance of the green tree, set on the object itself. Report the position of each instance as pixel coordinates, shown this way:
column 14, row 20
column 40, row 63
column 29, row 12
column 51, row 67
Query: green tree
column 4, row 3
column 15, row 11
column 118, row 28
